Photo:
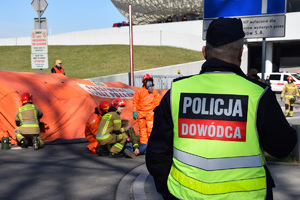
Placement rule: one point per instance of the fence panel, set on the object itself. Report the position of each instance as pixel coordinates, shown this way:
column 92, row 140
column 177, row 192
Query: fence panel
column 160, row 81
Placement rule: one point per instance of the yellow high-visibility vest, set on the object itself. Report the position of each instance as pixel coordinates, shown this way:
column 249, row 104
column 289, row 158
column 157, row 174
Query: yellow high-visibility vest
column 216, row 151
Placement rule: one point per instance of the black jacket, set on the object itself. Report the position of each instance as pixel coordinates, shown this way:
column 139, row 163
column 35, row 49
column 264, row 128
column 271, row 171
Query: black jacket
column 276, row 136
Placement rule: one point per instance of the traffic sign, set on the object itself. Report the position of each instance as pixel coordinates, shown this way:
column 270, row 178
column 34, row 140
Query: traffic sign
column 39, row 6
column 40, row 23
column 240, row 8
column 258, row 27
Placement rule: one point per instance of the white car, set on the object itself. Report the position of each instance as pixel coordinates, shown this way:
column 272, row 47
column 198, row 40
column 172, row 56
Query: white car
column 279, row 79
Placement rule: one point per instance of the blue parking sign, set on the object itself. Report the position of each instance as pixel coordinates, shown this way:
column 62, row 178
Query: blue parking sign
column 241, row 8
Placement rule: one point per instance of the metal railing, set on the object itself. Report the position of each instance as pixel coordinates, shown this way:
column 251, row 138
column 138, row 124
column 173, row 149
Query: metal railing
column 160, row 81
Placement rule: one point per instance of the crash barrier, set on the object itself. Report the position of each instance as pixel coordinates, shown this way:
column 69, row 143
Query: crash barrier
column 161, row 82
column 296, row 151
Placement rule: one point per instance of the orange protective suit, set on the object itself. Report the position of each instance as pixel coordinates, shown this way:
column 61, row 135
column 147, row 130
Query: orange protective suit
column 90, row 131
column 144, row 103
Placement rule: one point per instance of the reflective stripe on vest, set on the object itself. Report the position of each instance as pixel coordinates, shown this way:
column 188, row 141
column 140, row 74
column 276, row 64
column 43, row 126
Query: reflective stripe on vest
column 117, row 121
column 102, row 136
column 119, row 146
column 218, row 188
column 28, row 124
column 216, row 149
column 217, row 163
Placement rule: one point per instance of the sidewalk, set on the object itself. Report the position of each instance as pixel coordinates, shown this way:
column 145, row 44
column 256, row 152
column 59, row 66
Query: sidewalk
column 285, row 175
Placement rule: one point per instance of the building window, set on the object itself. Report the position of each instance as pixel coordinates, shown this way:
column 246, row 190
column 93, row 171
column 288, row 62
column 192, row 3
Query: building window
column 292, row 6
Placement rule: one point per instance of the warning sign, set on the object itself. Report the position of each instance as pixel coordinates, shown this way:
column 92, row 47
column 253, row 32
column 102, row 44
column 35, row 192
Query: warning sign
column 39, row 42
column 39, row 49
column 39, row 61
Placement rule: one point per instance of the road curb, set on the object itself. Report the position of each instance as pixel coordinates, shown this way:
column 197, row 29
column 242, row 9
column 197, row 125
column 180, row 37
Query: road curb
column 283, row 163
column 125, row 186
column 138, row 188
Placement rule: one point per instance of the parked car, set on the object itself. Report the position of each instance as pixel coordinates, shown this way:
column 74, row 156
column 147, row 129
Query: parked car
column 120, row 24
column 279, row 79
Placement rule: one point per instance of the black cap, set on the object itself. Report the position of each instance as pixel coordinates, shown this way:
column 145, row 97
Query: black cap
column 222, row 31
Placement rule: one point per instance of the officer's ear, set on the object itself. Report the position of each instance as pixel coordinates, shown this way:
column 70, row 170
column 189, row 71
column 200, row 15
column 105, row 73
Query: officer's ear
column 240, row 54
column 204, row 52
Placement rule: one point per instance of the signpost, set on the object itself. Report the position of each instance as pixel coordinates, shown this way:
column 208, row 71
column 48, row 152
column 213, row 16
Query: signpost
column 261, row 18
column 39, row 40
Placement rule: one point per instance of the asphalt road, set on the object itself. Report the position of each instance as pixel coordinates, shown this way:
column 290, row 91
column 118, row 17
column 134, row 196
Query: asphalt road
column 296, row 117
column 61, row 172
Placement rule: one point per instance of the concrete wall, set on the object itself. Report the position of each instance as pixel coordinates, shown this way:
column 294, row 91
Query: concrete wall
column 178, row 34
column 170, row 72
column 20, row 41
column 186, row 34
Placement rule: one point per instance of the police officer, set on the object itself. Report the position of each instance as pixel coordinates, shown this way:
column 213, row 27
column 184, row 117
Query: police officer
column 110, row 135
column 209, row 129
column 27, row 119
column 290, row 93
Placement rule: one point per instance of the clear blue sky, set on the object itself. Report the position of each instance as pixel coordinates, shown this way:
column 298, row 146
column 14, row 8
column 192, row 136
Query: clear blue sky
column 17, row 16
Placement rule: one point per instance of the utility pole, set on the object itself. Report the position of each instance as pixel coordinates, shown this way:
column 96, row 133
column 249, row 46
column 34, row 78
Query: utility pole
column 131, row 47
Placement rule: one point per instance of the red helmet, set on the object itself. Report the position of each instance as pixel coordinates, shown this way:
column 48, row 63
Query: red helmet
column 290, row 78
column 26, row 98
column 146, row 77
column 103, row 106
column 118, row 102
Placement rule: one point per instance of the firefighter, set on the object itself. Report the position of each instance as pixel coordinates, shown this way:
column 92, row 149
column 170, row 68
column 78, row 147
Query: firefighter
column 92, row 125
column 58, row 68
column 27, row 119
column 253, row 74
column 110, row 135
column 290, row 92
column 211, row 130
column 145, row 99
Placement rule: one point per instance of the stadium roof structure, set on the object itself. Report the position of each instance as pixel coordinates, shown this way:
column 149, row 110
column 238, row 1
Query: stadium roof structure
column 151, row 11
